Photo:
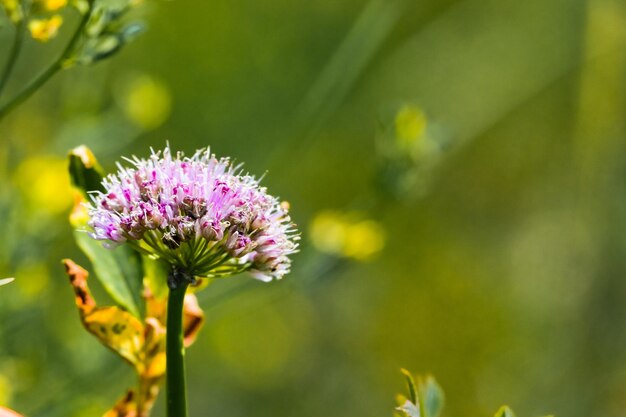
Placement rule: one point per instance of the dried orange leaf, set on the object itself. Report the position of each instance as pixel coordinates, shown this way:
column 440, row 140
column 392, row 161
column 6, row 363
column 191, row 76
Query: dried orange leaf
column 78, row 279
column 141, row 344
column 154, row 336
column 154, row 349
column 118, row 330
column 125, row 407
column 156, row 368
column 193, row 318
column 133, row 404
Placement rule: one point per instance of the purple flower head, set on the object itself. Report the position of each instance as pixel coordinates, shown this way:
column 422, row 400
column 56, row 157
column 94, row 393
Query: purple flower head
column 198, row 213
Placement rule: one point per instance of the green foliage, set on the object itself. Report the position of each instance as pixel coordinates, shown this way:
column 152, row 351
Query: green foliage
column 411, row 383
column 432, row 397
column 517, row 233
column 505, row 411
column 105, row 27
column 119, row 270
column 107, row 31
column 85, row 172
column 155, row 275
column 426, row 397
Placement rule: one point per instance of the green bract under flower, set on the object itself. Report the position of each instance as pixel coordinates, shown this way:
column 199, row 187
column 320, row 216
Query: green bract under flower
column 198, row 213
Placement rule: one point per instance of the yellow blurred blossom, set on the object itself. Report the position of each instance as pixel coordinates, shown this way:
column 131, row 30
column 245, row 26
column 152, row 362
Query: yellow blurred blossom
column 364, row 239
column 45, row 29
column 410, row 125
column 328, row 232
column 54, row 4
column 342, row 235
column 13, row 9
column 79, row 215
column 41, row 6
column 147, row 102
column 45, row 184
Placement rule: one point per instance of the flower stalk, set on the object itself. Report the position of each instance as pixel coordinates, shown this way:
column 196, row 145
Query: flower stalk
column 49, row 72
column 176, row 390
column 16, row 46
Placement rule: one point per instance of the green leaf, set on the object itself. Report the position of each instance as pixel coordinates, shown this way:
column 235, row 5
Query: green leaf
column 409, row 409
column 411, row 383
column 431, row 397
column 119, row 270
column 505, row 411
column 103, row 47
column 85, row 172
column 155, row 274
column 131, row 31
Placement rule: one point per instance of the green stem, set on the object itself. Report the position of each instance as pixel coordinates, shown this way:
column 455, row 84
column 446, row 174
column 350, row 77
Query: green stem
column 13, row 54
column 175, row 352
column 42, row 78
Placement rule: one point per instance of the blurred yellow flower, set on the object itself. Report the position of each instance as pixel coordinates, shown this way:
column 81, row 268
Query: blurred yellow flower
column 54, row 4
column 45, row 29
column 45, row 184
column 410, row 125
column 79, row 215
column 344, row 235
column 364, row 239
column 328, row 232
column 13, row 9
column 147, row 102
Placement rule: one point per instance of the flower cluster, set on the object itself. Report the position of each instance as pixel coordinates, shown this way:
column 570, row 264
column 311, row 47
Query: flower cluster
column 198, row 213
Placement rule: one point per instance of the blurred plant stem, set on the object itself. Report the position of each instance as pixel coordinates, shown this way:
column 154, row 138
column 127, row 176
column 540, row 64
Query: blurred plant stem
column 42, row 78
column 176, row 391
column 13, row 54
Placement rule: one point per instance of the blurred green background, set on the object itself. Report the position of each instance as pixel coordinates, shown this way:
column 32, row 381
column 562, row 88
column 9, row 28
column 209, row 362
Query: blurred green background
column 457, row 170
